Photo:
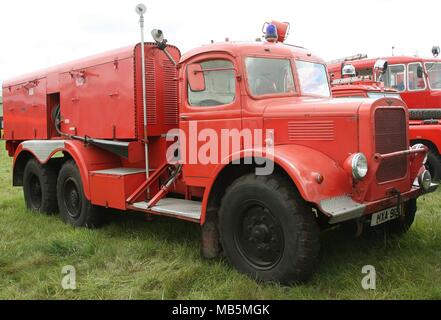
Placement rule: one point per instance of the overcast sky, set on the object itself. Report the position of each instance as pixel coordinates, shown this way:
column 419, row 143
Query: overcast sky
column 37, row 34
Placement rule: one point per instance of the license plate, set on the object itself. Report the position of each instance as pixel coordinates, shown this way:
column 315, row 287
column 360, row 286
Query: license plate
column 384, row 216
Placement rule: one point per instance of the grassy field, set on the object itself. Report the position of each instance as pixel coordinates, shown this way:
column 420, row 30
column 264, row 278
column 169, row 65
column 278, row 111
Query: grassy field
column 134, row 259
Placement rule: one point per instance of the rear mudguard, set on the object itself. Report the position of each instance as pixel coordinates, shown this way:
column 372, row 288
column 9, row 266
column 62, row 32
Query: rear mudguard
column 87, row 158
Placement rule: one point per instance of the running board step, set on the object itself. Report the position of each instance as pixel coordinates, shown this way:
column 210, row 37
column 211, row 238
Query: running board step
column 174, row 207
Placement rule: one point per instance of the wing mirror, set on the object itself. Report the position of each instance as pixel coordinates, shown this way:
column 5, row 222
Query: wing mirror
column 196, row 78
column 436, row 51
column 381, row 65
column 420, row 72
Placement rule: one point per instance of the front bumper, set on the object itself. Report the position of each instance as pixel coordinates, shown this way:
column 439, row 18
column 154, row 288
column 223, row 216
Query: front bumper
column 344, row 208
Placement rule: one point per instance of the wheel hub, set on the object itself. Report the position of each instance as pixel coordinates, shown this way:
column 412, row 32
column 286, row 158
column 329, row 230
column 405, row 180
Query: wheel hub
column 260, row 233
column 259, row 237
column 72, row 198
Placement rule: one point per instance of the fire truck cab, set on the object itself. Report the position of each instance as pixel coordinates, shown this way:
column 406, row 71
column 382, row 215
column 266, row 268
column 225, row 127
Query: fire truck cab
column 418, row 80
column 243, row 139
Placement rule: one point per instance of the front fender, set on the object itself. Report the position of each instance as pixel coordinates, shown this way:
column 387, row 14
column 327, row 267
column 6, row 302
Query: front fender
column 303, row 165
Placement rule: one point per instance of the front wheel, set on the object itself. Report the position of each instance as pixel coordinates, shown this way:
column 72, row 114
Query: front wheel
column 267, row 231
column 74, row 207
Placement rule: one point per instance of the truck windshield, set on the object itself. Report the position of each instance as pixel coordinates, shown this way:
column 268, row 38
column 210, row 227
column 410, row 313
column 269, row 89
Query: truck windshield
column 313, row 79
column 269, row 76
column 434, row 73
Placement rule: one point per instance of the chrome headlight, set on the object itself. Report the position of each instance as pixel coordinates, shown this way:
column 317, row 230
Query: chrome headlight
column 420, row 146
column 359, row 166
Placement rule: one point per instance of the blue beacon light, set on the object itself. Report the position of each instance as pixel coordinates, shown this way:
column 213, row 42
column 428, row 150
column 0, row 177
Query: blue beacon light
column 271, row 33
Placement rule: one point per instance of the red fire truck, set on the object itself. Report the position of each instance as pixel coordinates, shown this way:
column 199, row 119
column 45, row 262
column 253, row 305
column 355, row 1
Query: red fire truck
column 86, row 136
column 417, row 80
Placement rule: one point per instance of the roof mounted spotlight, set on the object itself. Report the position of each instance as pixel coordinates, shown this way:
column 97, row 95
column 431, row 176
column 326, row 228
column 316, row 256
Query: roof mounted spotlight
column 436, row 51
column 158, row 36
column 141, row 9
column 348, row 70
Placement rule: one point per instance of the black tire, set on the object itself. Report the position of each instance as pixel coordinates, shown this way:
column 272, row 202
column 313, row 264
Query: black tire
column 267, row 230
column 75, row 209
column 433, row 164
column 40, row 187
column 403, row 223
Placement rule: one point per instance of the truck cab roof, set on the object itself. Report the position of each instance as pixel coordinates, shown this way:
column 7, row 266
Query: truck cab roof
column 252, row 48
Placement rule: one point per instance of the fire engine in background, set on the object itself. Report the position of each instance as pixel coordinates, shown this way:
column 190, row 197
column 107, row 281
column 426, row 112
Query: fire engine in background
column 79, row 134
column 418, row 82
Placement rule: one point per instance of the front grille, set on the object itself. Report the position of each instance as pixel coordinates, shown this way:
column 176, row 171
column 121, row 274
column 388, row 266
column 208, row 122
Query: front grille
column 390, row 136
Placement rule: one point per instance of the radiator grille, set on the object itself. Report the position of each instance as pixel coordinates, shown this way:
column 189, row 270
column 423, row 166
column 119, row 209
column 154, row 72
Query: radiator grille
column 390, row 136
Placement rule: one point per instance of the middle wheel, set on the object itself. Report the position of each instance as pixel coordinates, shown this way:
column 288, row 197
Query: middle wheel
column 74, row 207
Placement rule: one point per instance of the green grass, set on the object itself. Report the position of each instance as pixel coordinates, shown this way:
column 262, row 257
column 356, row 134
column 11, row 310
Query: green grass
column 134, row 259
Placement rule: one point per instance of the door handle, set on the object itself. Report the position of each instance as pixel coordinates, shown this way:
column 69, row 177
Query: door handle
column 184, row 117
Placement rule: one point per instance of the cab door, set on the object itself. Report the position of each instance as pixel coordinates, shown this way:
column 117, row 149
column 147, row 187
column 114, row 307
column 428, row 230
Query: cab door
column 210, row 107
column 416, row 86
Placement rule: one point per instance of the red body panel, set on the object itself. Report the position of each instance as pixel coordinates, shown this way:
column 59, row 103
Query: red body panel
column 102, row 195
column 426, row 132
column 25, row 112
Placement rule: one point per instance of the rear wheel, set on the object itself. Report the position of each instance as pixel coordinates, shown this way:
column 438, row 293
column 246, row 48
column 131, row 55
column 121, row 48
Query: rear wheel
column 267, row 231
column 75, row 209
column 40, row 187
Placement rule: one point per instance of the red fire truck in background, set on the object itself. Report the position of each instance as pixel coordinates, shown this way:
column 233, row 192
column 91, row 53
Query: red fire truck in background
column 86, row 136
column 418, row 82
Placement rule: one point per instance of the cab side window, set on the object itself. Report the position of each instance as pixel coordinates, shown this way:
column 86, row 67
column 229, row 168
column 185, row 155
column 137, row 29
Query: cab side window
column 216, row 86
column 395, row 77
column 416, row 77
